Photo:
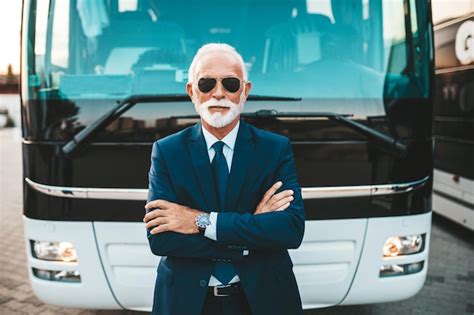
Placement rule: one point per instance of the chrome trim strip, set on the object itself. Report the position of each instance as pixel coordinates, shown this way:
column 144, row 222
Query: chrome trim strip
column 307, row 192
column 89, row 193
column 361, row 191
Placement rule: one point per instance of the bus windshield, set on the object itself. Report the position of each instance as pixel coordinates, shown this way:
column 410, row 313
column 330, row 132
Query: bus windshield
column 303, row 48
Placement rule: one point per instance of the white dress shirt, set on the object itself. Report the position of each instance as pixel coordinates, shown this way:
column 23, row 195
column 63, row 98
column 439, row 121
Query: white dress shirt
column 228, row 151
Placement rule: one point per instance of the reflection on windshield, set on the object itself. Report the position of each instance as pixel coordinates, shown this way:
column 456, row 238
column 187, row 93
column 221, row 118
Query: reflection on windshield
column 302, row 48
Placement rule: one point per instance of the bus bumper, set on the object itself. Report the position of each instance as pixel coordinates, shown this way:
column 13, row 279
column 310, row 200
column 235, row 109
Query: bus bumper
column 92, row 291
column 368, row 286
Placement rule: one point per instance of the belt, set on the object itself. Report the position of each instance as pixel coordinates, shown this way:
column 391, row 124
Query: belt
column 226, row 290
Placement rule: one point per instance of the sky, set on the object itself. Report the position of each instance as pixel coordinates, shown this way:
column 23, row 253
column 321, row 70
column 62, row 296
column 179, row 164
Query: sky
column 10, row 16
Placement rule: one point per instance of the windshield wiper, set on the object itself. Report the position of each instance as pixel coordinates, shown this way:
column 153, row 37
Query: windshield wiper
column 127, row 103
column 114, row 113
column 399, row 148
column 392, row 143
column 273, row 98
column 275, row 113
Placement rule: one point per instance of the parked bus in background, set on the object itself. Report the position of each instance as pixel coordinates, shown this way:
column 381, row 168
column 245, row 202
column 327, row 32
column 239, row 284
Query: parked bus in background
column 349, row 82
column 453, row 188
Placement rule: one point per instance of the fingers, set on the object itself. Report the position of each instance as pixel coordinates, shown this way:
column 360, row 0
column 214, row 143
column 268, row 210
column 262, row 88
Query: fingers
column 286, row 205
column 156, row 222
column 278, row 197
column 161, row 229
column 269, row 193
column 283, row 194
column 274, row 208
column 158, row 203
column 154, row 214
column 271, row 201
column 280, row 203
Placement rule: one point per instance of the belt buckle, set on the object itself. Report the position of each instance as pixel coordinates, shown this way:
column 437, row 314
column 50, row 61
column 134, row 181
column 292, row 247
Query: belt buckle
column 216, row 293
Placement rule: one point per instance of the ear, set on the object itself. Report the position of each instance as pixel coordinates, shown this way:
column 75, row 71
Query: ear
column 189, row 89
column 248, row 87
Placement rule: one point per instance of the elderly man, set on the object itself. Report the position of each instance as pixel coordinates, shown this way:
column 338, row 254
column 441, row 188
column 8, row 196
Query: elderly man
column 224, row 203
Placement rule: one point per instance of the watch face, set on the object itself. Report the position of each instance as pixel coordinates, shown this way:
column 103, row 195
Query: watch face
column 203, row 221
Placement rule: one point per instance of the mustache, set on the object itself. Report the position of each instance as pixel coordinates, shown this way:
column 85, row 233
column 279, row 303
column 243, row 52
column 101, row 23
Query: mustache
column 222, row 103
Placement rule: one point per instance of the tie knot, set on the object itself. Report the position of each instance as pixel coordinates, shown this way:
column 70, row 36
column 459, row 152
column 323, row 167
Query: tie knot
column 218, row 146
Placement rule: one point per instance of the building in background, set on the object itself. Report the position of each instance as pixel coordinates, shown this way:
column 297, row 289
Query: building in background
column 9, row 82
column 9, row 99
column 10, row 18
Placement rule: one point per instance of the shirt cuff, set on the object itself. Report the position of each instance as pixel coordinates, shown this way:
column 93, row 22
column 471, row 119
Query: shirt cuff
column 211, row 229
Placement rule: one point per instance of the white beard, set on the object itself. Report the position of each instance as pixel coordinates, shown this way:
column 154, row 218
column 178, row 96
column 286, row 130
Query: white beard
column 219, row 120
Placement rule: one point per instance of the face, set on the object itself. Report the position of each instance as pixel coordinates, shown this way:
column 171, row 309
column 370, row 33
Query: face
column 218, row 107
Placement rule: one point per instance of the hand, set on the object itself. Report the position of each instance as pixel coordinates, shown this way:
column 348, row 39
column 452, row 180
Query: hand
column 271, row 202
column 170, row 217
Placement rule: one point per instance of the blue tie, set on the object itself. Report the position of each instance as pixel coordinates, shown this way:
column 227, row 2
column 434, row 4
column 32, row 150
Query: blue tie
column 223, row 271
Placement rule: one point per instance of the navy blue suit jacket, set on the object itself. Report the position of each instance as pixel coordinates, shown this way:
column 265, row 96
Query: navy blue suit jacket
column 180, row 172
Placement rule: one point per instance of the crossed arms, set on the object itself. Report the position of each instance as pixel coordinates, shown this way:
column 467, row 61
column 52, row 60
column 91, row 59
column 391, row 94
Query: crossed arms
column 276, row 223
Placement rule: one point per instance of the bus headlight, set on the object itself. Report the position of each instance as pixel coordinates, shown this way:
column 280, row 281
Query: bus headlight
column 399, row 270
column 57, row 251
column 403, row 245
column 57, row 275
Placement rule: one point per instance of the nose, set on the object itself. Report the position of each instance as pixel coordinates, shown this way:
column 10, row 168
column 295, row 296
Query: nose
column 218, row 92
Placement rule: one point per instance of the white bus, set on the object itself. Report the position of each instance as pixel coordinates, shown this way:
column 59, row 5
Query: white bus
column 453, row 187
column 349, row 82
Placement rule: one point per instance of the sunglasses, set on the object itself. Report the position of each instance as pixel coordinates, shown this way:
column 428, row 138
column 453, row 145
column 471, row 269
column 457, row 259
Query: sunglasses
column 231, row 84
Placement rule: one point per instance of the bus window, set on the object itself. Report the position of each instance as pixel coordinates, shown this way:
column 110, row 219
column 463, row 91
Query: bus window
column 42, row 7
column 60, row 39
column 394, row 37
column 320, row 7
column 309, row 48
column 414, row 21
column 127, row 5
column 41, row 25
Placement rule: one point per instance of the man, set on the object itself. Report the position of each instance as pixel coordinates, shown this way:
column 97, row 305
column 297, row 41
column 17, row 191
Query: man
column 214, row 214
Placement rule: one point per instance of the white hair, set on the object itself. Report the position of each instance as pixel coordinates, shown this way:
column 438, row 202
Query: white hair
column 211, row 48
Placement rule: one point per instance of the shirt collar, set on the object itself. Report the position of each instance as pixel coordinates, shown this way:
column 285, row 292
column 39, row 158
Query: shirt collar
column 229, row 139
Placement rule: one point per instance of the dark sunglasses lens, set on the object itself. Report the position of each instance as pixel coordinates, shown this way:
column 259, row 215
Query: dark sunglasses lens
column 206, row 84
column 231, row 84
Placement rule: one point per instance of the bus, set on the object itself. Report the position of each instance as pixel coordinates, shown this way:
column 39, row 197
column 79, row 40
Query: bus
column 348, row 82
column 453, row 186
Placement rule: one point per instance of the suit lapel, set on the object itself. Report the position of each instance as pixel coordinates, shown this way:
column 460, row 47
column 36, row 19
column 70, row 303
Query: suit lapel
column 202, row 167
column 243, row 152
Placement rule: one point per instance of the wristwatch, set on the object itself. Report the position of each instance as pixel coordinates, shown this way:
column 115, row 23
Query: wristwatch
column 202, row 221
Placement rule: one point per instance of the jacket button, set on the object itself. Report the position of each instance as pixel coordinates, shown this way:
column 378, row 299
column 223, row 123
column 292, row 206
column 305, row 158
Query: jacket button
column 203, row 283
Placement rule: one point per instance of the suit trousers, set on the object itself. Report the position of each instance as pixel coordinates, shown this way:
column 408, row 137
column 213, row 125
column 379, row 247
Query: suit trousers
column 226, row 305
